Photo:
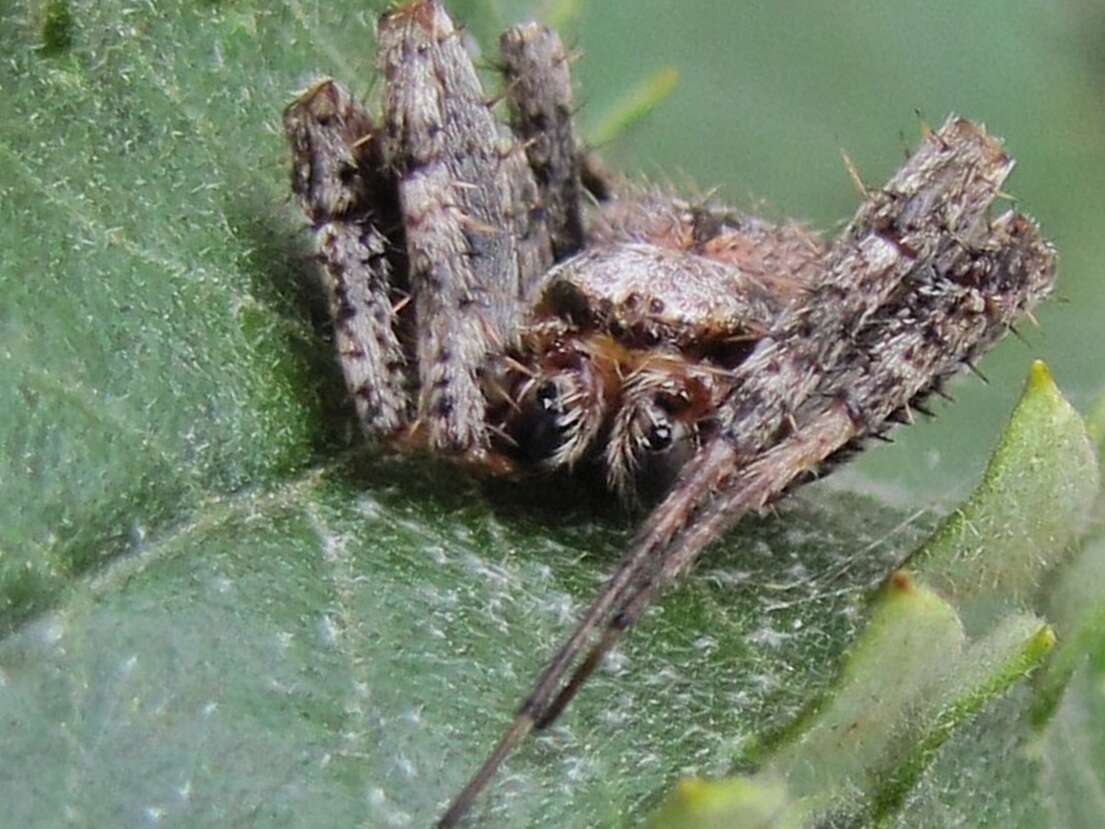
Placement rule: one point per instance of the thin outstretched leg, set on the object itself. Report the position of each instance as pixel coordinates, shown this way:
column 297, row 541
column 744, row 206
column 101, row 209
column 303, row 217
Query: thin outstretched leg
column 539, row 93
column 340, row 185
column 475, row 238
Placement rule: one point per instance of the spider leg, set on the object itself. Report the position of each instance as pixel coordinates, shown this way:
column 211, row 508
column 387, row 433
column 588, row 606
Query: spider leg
column 898, row 235
column 339, row 185
column 539, row 93
column 466, row 194
column 903, row 304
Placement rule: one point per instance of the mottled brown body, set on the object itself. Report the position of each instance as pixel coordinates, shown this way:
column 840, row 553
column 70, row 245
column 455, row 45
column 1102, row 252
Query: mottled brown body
column 490, row 307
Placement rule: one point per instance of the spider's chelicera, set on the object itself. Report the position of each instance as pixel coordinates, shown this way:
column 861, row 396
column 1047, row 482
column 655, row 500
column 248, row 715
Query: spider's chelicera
column 499, row 300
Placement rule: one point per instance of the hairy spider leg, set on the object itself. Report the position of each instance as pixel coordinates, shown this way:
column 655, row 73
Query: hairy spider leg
column 465, row 188
column 350, row 201
column 957, row 282
column 539, row 95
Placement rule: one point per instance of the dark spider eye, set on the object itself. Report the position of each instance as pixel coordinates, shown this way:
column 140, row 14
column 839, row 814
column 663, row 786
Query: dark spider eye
column 666, row 446
column 658, row 438
column 555, row 421
column 346, row 173
column 542, row 430
column 548, row 398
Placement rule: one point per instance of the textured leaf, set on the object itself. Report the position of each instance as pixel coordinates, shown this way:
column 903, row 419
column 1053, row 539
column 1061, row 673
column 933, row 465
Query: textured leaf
column 1035, row 498
column 917, row 673
column 1095, row 425
column 217, row 610
column 740, row 802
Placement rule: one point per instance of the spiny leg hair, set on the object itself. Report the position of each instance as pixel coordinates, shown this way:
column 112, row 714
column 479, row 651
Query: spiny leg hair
column 539, row 93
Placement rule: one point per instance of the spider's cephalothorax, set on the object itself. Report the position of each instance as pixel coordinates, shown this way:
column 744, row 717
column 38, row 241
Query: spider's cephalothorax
column 630, row 346
column 498, row 300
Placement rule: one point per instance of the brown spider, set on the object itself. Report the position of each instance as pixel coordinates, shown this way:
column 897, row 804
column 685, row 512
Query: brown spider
column 498, row 301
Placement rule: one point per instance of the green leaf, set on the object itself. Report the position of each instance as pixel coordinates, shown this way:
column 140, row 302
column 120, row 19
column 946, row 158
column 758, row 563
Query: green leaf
column 917, row 673
column 636, row 105
column 217, row 610
column 1076, row 601
column 761, row 803
column 1095, row 425
column 1035, row 497
column 912, row 643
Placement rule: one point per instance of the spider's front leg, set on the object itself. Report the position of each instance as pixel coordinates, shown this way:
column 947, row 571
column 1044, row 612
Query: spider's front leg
column 475, row 229
column 351, row 204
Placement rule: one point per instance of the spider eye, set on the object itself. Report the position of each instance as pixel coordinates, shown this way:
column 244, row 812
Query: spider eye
column 542, row 428
column 558, row 420
column 663, row 448
column 548, row 398
column 659, row 437
column 347, row 173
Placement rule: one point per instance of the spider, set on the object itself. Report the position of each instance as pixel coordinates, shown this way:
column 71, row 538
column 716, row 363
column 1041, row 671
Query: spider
column 500, row 300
